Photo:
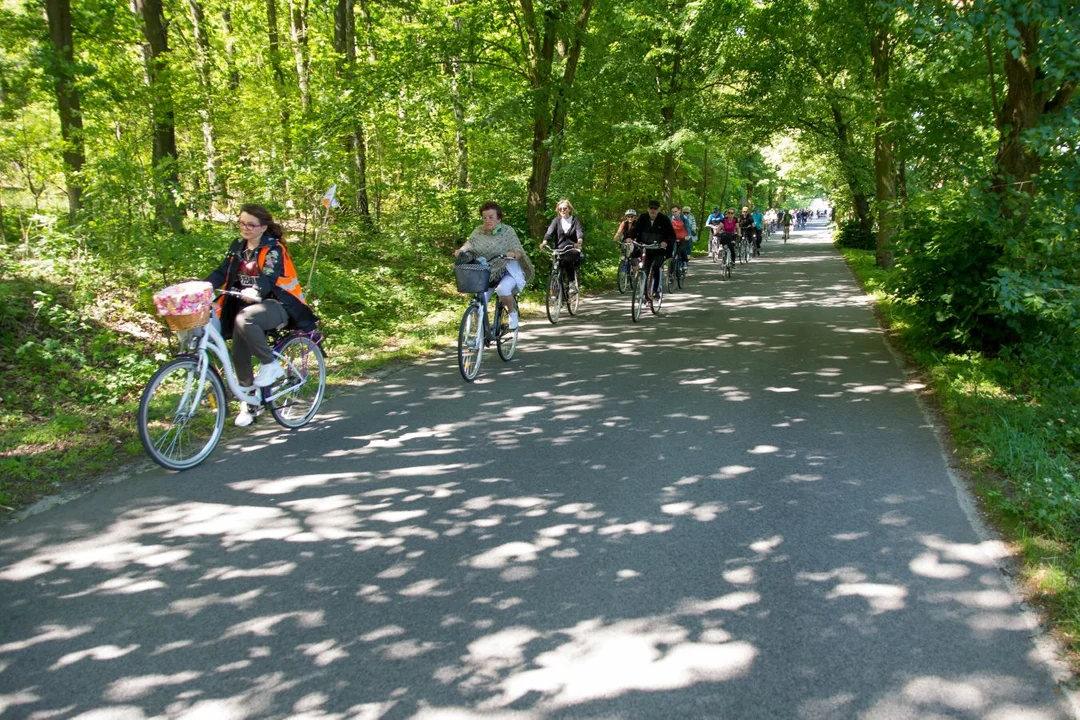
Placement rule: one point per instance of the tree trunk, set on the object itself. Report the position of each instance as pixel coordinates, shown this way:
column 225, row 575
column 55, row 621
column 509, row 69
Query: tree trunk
column 67, row 99
column 1027, row 100
column 163, row 157
column 704, row 181
column 279, row 75
column 230, row 50
column 548, row 122
column 461, row 136
column 667, row 112
column 345, row 45
column 723, row 186
column 860, row 203
column 298, row 24
column 202, row 44
column 884, row 172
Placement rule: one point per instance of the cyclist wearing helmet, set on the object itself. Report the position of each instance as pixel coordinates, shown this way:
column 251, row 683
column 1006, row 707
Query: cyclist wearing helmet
column 623, row 231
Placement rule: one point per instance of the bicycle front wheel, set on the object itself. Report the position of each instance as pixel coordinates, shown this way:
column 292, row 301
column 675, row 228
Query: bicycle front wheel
column 656, row 298
column 573, row 294
column 637, row 296
column 505, row 338
column 624, row 276
column 554, row 298
column 180, row 418
column 680, row 273
column 470, row 342
column 305, row 375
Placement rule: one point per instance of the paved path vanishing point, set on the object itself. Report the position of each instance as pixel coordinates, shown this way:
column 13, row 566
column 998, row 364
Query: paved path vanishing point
column 733, row 510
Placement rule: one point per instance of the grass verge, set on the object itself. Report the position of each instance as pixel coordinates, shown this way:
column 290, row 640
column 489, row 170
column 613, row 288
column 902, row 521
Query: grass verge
column 1015, row 437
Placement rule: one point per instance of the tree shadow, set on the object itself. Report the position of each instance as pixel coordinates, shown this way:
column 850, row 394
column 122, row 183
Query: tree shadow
column 731, row 510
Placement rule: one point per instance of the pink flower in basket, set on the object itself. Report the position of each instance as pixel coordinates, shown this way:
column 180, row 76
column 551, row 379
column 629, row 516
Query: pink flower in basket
column 186, row 298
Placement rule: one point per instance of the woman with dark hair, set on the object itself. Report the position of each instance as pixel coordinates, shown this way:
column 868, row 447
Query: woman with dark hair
column 259, row 266
column 493, row 240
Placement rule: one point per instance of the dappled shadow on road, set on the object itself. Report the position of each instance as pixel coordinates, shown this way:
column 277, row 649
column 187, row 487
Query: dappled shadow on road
column 637, row 537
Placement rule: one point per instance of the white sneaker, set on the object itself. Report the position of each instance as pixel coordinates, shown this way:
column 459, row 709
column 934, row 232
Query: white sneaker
column 513, row 320
column 269, row 373
column 245, row 417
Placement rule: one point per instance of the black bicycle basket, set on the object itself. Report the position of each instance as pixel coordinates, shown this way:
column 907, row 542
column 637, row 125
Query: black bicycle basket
column 472, row 277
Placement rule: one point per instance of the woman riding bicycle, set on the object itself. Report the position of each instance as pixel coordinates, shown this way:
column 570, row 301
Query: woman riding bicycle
column 728, row 227
column 568, row 234
column 491, row 241
column 259, row 266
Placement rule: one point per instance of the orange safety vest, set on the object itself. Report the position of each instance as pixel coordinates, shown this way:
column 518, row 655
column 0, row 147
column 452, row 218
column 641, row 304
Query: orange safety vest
column 289, row 282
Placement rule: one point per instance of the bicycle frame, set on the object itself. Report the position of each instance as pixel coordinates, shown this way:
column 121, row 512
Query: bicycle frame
column 211, row 342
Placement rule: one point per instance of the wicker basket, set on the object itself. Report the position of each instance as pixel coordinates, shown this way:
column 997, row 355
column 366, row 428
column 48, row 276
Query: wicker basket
column 186, row 322
column 472, row 277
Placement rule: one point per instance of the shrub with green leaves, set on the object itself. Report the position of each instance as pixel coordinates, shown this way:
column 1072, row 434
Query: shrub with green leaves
column 850, row 235
column 945, row 263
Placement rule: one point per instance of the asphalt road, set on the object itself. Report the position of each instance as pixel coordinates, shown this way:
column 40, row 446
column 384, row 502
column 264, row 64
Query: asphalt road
column 736, row 509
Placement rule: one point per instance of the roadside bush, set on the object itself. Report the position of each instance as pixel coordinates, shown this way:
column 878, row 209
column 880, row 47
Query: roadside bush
column 850, row 235
column 945, row 263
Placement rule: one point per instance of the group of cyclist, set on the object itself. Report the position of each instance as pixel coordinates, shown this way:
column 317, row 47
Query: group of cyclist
column 258, row 265
column 654, row 237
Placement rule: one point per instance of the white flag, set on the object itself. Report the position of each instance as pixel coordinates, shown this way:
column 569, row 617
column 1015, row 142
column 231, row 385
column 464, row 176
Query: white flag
column 329, row 200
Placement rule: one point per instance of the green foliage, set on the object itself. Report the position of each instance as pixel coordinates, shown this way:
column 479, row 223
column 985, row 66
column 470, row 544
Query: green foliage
column 849, row 235
column 945, row 260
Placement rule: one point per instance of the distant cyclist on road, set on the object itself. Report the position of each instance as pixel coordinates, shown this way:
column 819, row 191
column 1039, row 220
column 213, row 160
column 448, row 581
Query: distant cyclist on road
column 746, row 226
column 691, row 225
column 759, row 227
column 682, row 233
column 728, row 227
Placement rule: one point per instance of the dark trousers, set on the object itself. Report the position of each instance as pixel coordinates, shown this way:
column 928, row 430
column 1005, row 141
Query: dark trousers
column 249, row 336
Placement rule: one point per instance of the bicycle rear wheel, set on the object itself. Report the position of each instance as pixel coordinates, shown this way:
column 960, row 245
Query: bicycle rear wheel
column 305, row 372
column 470, row 342
column 624, row 276
column 573, row 294
column 505, row 338
column 554, row 298
column 637, row 296
column 180, row 419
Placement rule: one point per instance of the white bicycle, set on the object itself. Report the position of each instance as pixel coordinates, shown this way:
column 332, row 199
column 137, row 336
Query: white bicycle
column 183, row 408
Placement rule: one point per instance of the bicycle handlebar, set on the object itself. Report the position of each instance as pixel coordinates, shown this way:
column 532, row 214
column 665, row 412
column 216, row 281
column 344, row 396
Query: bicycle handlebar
column 561, row 251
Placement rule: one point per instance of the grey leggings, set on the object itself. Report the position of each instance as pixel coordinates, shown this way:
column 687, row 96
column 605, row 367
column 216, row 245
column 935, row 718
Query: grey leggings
column 249, row 336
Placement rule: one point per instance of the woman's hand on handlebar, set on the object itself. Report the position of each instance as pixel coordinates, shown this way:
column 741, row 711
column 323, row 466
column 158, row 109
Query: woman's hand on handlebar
column 248, row 295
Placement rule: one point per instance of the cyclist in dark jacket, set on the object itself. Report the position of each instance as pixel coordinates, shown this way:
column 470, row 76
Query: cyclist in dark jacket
column 654, row 227
column 567, row 232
